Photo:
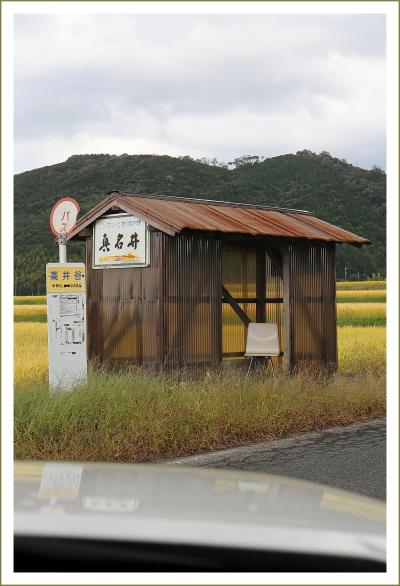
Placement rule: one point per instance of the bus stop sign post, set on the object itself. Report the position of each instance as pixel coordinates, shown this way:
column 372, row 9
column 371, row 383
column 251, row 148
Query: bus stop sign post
column 62, row 248
column 62, row 219
column 66, row 306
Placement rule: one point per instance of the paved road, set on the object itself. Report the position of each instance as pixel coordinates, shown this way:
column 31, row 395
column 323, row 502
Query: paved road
column 353, row 458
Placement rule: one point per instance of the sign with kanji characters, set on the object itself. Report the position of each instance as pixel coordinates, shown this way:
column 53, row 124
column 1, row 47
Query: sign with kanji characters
column 63, row 216
column 66, row 277
column 120, row 240
column 66, row 324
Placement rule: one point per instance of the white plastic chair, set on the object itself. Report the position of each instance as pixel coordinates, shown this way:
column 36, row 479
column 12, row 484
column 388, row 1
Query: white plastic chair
column 262, row 340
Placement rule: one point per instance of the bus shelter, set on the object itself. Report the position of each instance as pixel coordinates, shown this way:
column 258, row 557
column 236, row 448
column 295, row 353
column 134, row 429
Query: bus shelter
column 174, row 282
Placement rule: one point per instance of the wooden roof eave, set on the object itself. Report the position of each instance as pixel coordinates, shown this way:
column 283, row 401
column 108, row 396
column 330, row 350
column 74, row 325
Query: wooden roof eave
column 309, row 228
column 356, row 244
column 341, row 234
column 105, row 206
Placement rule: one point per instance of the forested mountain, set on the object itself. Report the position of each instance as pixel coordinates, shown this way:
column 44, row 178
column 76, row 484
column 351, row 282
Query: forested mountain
column 334, row 190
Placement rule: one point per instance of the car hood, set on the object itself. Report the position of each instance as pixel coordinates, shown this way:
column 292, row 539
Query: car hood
column 167, row 504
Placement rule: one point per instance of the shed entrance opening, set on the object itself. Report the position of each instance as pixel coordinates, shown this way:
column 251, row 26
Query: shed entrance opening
column 252, row 291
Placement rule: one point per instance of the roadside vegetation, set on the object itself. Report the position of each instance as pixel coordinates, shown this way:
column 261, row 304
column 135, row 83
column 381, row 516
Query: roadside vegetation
column 136, row 416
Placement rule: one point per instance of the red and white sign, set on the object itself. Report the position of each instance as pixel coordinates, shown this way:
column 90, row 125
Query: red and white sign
column 63, row 215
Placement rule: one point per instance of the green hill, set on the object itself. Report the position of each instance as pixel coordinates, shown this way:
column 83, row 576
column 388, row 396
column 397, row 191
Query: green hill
column 334, row 190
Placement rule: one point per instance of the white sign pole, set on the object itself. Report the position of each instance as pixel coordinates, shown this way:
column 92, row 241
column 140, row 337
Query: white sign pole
column 66, row 305
column 62, row 247
column 66, row 322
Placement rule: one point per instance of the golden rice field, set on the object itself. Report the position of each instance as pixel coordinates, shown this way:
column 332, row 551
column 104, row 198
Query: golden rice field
column 361, row 337
column 362, row 350
column 30, row 353
column 361, row 314
column 361, row 309
column 30, row 300
column 366, row 295
column 131, row 416
column 360, row 285
column 30, row 313
column 358, row 288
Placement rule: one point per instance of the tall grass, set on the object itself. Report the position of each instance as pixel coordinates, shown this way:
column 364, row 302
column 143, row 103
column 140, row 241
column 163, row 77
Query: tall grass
column 137, row 417
column 134, row 416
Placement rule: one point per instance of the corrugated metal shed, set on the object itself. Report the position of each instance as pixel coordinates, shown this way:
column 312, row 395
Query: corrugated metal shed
column 173, row 215
column 214, row 268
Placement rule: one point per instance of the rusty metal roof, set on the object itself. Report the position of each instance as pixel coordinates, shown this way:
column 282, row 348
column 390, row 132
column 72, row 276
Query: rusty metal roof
column 175, row 214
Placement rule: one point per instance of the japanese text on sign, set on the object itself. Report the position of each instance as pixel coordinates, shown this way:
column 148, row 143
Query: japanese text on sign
column 62, row 278
column 120, row 240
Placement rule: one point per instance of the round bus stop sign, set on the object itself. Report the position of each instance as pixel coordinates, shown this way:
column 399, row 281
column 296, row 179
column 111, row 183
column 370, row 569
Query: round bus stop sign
column 63, row 216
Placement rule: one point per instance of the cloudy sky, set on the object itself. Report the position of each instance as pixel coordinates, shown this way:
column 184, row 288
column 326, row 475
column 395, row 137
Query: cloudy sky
column 204, row 85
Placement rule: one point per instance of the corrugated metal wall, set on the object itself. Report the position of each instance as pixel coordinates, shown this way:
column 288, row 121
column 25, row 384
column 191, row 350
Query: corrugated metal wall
column 274, row 309
column 313, row 305
column 171, row 314
column 124, row 310
column 192, row 301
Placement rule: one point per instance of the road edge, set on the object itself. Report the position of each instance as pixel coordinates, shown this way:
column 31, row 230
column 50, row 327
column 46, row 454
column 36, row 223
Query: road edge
column 214, row 456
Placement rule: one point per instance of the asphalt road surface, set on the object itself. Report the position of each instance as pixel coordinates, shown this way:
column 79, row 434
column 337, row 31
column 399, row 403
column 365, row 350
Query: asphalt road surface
column 353, row 458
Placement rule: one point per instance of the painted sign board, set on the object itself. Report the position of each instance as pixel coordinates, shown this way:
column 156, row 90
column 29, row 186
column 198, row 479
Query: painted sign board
column 120, row 240
column 63, row 216
column 65, row 278
column 66, row 321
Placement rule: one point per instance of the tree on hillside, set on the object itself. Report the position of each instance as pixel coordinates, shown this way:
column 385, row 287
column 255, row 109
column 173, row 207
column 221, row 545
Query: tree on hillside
column 334, row 190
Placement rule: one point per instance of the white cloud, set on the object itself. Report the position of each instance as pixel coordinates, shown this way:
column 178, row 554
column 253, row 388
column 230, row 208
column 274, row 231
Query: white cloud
column 201, row 85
